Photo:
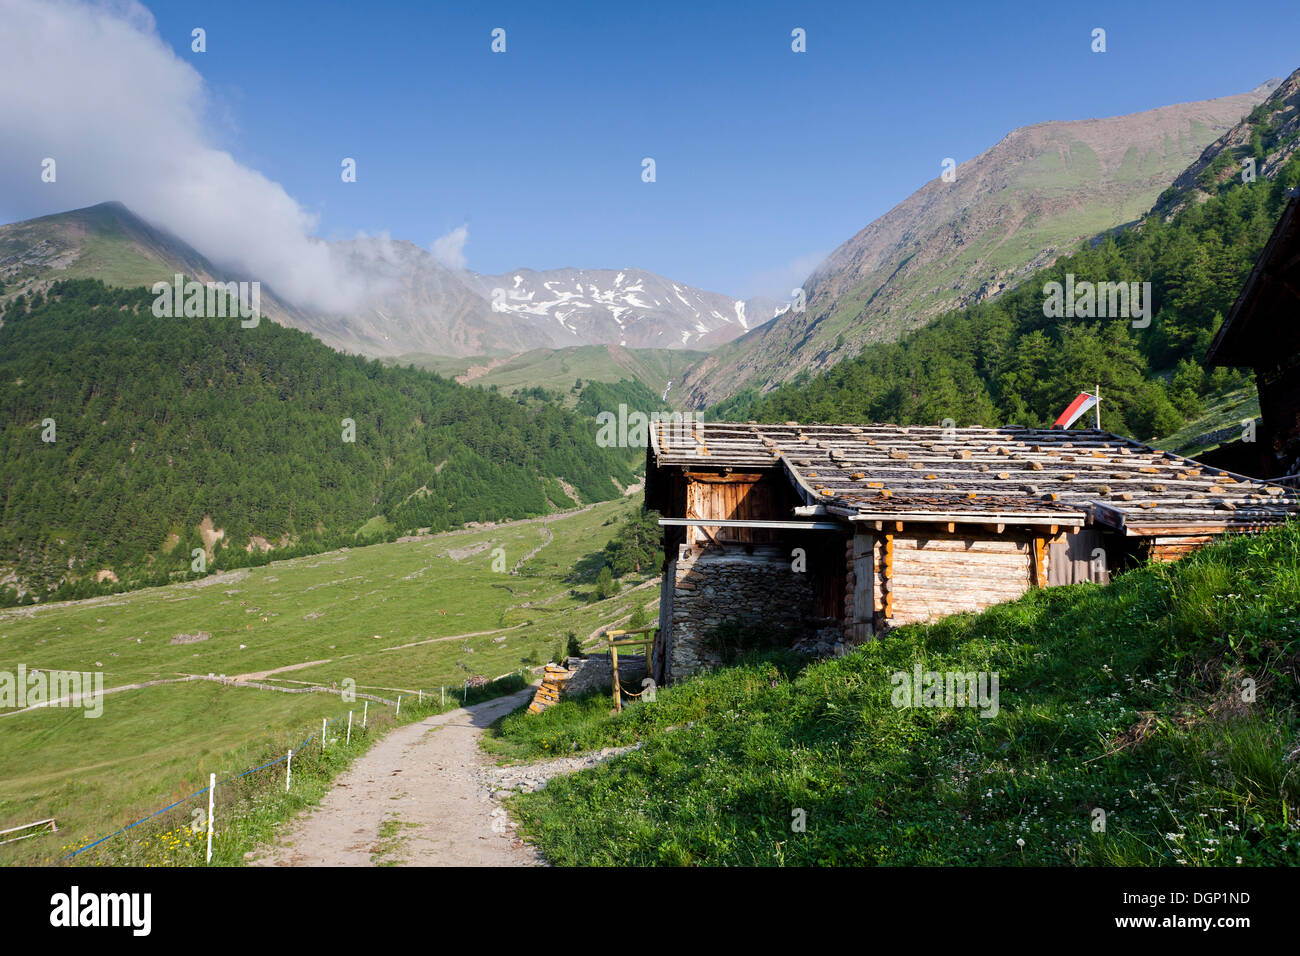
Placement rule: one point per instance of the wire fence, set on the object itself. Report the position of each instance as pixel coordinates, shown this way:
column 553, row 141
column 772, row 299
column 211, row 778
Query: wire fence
column 471, row 691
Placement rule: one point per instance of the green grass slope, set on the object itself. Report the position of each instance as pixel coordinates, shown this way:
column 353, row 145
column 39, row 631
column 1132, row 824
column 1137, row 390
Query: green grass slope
column 105, row 242
column 1225, row 416
column 556, row 370
column 1126, row 699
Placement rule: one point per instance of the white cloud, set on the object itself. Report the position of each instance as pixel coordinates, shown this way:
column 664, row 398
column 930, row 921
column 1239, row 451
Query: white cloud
column 450, row 248
column 779, row 281
column 92, row 86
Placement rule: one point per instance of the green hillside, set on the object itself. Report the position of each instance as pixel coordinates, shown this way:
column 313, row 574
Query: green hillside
column 167, row 430
column 105, row 242
column 1005, row 362
column 1167, row 700
column 557, row 370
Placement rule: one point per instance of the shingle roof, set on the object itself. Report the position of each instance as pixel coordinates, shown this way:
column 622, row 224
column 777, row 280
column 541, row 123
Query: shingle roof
column 971, row 474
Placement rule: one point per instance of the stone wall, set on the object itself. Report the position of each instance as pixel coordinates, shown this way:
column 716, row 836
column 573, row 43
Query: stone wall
column 595, row 672
column 712, row 588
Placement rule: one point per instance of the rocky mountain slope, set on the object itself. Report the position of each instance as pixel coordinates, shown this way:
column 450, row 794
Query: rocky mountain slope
column 1269, row 135
column 1010, row 211
column 414, row 303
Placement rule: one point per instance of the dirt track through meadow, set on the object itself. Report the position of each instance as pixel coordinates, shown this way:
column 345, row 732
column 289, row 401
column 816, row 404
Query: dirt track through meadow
column 416, row 798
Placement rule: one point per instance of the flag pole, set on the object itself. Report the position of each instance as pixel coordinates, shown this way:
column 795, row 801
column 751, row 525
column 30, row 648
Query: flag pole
column 1097, row 393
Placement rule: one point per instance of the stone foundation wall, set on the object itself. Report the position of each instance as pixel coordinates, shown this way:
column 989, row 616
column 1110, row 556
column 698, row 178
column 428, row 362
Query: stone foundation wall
column 711, row 589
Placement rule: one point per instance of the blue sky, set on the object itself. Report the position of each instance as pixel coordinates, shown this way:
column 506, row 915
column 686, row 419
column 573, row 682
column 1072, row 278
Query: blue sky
column 766, row 159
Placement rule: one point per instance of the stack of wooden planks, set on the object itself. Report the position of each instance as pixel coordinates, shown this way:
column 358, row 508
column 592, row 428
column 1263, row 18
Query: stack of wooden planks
column 552, row 686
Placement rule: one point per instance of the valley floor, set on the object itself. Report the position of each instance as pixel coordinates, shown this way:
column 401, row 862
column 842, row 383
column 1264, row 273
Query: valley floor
column 416, row 615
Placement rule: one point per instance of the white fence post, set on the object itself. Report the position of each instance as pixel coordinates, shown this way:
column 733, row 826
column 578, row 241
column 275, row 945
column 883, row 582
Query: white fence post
column 420, row 699
column 349, row 727
column 322, row 734
column 444, row 697
column 212, row 792
column 365, row 712
column 288, row 771
column 399, row 706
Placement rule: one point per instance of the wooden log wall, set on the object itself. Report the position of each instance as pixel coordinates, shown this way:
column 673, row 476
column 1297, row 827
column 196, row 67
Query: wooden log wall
column 1172, row 548
column 927, row 577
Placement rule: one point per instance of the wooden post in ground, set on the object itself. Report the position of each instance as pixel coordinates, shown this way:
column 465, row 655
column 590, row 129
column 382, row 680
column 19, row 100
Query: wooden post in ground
column 618, row 692
column 212, row 792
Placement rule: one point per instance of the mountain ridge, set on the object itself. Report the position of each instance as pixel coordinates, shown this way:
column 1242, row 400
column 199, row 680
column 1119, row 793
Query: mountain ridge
column 1012, row 209
column 410, row 302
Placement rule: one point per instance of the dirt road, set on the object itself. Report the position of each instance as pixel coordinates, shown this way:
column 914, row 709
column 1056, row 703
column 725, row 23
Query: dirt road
column 417, row 798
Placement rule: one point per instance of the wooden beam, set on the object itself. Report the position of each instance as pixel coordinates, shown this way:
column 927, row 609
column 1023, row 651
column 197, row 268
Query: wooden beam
column 705, row 531
column 751, row 523
column 731, row 478
column 1008, row 517
column 887, row 584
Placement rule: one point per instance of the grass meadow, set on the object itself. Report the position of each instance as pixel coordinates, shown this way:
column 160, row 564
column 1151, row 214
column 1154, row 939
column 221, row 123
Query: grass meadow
column 399, row 618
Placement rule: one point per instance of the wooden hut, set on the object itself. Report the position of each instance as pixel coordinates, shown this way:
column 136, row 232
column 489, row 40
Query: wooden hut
column 1262, row 332
column 843, row 531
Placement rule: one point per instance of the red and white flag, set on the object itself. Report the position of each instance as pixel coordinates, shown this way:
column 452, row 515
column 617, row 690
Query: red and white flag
column 1085, row 401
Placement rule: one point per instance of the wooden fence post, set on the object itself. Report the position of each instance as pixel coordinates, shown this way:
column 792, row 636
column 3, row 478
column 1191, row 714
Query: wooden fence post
column 618, row 692
column 212, row 793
